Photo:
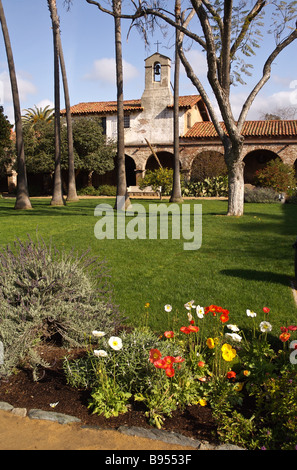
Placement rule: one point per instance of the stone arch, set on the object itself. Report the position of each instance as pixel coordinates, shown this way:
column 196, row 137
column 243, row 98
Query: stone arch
column 130, row 171
column 111, row 176
column 207, row 163
column 256, row 160
column 166, row 160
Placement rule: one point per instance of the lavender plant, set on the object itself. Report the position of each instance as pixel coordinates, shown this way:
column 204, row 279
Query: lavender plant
column 46, row 294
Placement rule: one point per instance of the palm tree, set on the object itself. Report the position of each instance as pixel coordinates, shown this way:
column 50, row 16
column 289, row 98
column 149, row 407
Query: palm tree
column 38, row 114
column 22, row 199
column 72, row 194
column 57, row 199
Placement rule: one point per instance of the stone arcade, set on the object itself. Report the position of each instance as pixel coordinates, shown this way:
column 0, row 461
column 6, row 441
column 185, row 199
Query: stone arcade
column 149, row 129
column 149, row 125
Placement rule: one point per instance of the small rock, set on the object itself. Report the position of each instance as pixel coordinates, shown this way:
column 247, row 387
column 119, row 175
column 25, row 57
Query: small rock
column 52, row 416
column 21, row 412
column 5, row 406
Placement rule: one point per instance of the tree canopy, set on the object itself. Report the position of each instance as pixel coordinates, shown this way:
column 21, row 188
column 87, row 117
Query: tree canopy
column 91, row 151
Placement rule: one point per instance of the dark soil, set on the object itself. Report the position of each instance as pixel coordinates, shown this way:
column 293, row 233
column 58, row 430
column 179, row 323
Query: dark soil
column 21, row 391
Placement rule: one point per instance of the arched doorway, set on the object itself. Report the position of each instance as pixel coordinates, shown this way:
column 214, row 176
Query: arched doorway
column 110, row 177
column 256, row 160
column 130, row 171
column 166, row 160
column 208, row 164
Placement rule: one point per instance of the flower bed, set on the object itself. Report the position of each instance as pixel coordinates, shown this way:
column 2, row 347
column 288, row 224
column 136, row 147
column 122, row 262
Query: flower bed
column 245, row 377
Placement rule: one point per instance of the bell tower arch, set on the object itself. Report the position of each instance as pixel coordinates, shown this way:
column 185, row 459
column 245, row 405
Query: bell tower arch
column 157, row 79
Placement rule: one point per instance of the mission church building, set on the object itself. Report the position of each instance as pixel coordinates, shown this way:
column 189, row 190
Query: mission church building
column 148, row 125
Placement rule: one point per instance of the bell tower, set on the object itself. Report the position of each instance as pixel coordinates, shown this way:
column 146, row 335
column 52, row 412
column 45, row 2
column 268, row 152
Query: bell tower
column 157, row 80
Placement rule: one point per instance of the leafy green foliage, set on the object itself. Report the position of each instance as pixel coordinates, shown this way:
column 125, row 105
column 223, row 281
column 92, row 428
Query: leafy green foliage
column 94, row 152
column 160, row 180
column 91, row 150
column 46, row 294
column 216, row 186
column 6, row 144
column 102, row 190
column 277, row 175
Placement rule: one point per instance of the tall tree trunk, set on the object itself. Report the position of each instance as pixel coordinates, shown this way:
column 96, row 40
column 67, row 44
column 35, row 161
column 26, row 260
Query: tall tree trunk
column 71, row 194
column 57, row 199
column 122, row 201
column 22, row 199
column 235, row 167
column 176, row 195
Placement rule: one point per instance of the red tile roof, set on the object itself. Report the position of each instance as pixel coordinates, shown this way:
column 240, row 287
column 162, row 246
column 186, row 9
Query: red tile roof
column 202, row 130
column 105, row 107
column 187, row 101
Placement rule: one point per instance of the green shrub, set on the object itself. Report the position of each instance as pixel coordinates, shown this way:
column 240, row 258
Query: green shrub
column 160, row 178
column 261, row 195
column 277, row 175
column 107, row 190
column 46, row 295
column 103, row 190
column 88, row 191
column 210, row 187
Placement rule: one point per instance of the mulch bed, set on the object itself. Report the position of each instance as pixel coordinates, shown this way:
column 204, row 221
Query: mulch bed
column 22, row 392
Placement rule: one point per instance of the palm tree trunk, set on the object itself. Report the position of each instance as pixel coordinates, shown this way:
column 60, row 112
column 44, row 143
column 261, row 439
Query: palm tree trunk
column 72, row 194
column 176, row 195
column 122, row 200
column 57, row 199
column 22, row 199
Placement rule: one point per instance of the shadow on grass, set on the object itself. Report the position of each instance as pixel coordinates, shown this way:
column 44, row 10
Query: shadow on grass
column 260, row 276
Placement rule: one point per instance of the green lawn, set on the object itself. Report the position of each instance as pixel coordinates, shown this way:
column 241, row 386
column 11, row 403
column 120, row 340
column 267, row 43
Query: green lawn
column 245, row 262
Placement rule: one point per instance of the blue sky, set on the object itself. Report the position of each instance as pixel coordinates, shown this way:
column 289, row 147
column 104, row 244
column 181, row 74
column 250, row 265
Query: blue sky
column 88, row 44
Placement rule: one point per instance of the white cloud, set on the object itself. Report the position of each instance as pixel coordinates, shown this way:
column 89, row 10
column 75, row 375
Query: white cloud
column 43, row 103
column 25, row 87
column 104, row 70
column 198, row 62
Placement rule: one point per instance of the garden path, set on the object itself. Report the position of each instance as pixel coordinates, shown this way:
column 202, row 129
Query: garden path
column 23, row 433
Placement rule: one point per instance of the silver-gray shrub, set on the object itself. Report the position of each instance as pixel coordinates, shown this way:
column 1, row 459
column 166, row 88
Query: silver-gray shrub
column 47, row 294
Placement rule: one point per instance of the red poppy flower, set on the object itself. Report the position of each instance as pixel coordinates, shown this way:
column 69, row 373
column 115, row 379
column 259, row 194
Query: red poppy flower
column 155, row 355
column 266, row 309
column 231, row 374
column 284, row 329
column 169, row 334
column 284, row 337
column 193, row 328
column 160, row 364
column 185, row 329
column 210, row 308
column 168, row 361
column 224, row 317
column 169, row 371
column 292, row 328
column 201, row 364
